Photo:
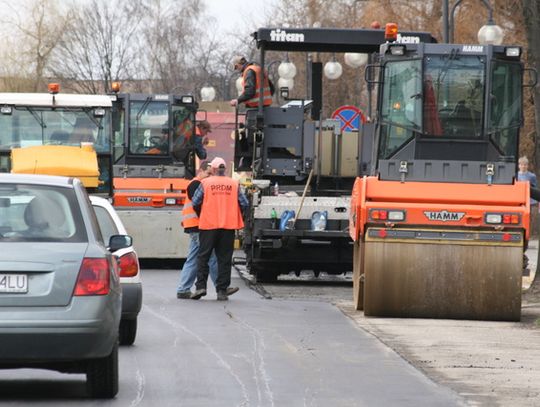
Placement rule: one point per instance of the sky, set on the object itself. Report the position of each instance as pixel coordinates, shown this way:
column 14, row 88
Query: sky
column 232, row 13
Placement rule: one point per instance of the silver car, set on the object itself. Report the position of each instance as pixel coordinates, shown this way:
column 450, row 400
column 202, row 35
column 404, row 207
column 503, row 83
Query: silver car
column 130, row 272
column 60, row 296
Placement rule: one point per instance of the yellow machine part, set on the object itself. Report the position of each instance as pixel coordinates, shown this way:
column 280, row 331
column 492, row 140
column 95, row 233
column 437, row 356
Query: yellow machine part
column 68, row 161
column 438, row 279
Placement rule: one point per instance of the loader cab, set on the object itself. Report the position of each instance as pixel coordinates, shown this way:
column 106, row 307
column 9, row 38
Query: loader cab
column 148, row 126
column 56, row 119
column 449, row 112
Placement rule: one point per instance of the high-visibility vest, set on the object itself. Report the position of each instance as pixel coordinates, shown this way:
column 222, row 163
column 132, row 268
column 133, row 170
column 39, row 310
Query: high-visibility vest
column 190, row 219
column 267, row 94
column 220, row 208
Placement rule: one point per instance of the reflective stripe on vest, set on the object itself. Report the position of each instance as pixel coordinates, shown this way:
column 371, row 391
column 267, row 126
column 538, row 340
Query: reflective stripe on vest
column 189, row 216
column 220, row 208
column 267, row 94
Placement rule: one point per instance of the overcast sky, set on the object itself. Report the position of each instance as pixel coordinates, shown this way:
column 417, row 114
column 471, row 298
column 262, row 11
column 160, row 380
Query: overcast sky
column 233, row 13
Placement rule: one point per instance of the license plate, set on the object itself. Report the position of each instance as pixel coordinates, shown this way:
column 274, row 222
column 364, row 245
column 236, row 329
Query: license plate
column 13, row 283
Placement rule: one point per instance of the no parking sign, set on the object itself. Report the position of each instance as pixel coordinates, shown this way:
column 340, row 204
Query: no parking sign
column 350, row 117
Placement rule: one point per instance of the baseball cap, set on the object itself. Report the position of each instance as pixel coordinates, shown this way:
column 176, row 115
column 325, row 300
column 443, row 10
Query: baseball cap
column 238, row 60
column 218, row 162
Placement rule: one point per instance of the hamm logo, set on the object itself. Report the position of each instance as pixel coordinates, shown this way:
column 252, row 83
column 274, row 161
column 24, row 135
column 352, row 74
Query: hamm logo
column 445, row 216
column 139, row 199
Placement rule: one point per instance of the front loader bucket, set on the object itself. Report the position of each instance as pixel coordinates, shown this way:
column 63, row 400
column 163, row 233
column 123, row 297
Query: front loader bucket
column 457, row 278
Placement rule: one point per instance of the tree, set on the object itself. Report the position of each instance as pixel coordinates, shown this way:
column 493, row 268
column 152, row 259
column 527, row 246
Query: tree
column 38, row 28
column 99, row 45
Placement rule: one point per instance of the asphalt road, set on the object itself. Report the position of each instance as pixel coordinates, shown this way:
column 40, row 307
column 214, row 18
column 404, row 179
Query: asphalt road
column 249, row 351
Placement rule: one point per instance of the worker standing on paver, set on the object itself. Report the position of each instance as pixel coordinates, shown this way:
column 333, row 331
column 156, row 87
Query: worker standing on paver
column 252, row 75
column 219, row 203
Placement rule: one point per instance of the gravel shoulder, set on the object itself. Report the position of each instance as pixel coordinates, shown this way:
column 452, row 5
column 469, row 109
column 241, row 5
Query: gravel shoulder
column 488, row 363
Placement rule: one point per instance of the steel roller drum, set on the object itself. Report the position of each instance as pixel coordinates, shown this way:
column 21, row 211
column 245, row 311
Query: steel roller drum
column 479, row 278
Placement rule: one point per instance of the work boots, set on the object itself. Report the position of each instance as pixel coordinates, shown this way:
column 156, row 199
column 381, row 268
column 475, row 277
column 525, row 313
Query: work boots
column 201, row 292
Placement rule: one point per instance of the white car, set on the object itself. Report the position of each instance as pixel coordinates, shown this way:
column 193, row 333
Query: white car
column 130, row 275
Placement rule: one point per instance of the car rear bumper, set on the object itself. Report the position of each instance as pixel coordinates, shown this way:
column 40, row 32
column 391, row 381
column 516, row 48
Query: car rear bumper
column 131, row 300
column 86, row 329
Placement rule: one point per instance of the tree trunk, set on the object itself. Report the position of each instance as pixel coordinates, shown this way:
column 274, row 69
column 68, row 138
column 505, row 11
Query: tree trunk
column 531, row 11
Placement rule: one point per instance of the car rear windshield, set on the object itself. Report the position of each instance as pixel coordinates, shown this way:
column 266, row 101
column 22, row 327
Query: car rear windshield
column 37, row 213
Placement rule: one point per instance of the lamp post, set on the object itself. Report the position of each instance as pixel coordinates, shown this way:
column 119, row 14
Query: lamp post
column 286, row 72
column 208, row 93
column 488, row 34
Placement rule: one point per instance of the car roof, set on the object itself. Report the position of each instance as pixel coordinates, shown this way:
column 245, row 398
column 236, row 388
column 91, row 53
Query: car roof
column 37, row 179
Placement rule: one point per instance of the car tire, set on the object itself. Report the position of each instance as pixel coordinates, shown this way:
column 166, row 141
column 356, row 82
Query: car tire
column 128, row 331
column 102, row 376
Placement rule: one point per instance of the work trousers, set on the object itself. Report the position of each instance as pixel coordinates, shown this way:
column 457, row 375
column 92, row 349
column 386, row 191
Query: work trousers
column 189, row 271
column 222, row 241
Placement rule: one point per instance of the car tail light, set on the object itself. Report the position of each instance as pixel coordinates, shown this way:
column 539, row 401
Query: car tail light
column 94, row 277
column 129, row 265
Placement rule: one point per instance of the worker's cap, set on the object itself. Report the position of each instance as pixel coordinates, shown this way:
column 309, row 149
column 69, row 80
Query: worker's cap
column 218, row 162
column 238, row 60
column 205, row 125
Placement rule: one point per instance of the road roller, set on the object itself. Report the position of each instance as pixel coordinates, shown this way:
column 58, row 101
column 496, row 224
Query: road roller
column 441, row 223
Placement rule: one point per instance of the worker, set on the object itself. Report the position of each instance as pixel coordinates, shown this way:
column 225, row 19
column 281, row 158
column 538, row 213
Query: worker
column 251, row 84
column 190, row 223
column 219, row 203
column 160, row 142
column 184, row 144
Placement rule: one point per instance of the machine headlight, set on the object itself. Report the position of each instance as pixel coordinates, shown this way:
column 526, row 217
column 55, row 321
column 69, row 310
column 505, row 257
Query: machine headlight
column 494, row 218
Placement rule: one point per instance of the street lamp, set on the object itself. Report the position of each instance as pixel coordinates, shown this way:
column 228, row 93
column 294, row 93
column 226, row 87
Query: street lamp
column 239, row 83
column 286, row 72
column 285, row 83
column 208, row 93
column 355, row 60
column 333, row 69
column 488, row 34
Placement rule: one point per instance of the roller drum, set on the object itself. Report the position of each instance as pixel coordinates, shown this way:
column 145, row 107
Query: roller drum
column 440, row 279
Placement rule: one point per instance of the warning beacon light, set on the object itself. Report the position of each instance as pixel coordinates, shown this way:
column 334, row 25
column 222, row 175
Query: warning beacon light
column 54, row 88
column 115, row 87
column 390, row 32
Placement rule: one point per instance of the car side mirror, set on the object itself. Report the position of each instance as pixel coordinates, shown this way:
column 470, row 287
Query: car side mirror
column 117, row 242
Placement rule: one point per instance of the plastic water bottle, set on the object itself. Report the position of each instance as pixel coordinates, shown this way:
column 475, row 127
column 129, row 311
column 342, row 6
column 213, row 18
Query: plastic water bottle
column 274, row 219
column 276, row 189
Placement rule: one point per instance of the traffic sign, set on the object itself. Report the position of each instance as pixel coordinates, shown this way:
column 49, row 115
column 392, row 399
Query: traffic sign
column 350, row 117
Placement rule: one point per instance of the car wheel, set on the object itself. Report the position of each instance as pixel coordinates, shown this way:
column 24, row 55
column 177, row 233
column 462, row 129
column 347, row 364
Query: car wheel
column 128, row 331
column 102, row 376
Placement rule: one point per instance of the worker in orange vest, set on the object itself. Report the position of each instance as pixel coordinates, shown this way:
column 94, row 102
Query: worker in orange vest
column 185, row 146
column 219, row 203
column 252, row 75
column 190, row 223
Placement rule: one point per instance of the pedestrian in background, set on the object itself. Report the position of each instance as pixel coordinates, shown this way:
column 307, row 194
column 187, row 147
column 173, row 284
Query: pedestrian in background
column 525, row 175
column 190, row 223
column 219, row 203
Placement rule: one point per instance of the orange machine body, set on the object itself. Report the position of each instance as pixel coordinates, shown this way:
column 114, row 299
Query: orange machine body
column 438, row 205
column 150, row 192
